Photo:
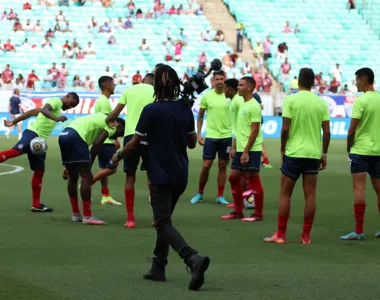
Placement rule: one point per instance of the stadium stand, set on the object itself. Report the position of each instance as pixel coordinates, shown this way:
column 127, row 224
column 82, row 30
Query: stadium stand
column 329, row 34
column 370, row 9
column 127, row 50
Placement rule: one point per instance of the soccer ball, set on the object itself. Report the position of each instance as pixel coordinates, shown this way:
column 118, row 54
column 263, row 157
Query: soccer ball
column 38, row 146
column 249, row 202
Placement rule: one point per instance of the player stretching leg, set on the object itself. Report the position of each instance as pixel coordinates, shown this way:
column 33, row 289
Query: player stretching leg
column 47, row 117
column 303, row 115
column 363, row 146
column 218, row 136
column 246, row 153
column 74, row 142
column 109, row 146
column 135, row 97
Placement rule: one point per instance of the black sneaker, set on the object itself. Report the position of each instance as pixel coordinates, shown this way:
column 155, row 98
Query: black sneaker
column 42, row 208
column 198, row 266
column 156, row 273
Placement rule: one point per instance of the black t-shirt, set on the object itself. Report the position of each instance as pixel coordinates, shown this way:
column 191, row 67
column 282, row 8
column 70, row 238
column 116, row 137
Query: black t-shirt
column 15, row 105
column 167, row 125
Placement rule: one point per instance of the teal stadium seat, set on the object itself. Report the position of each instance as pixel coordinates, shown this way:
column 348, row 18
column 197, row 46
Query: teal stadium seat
column 126, row 50
column 329, row 33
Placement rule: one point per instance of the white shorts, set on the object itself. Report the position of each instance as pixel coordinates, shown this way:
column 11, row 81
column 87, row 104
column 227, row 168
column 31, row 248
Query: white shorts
column 16, row 116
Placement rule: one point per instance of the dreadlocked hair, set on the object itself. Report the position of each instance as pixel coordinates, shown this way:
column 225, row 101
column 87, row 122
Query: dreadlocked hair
column 166, row 84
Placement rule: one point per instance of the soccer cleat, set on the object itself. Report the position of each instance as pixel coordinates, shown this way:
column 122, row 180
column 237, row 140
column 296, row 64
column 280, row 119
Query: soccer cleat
column 42, row 208
column 233, row 215
column 156, row 272
column 377, row 234
column 221, row 200
column 130, row 223
column 231, row 205
column 77, row 218
column 305, row 239
column 267, row 166
column 92, row 221
column 253, row 218
column 275, row 239
column 197, row 198
column 107, row 200
column 353, row 236
column 198, row 266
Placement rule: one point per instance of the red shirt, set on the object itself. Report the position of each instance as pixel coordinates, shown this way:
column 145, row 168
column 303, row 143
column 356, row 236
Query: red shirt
column 267, row 83
column 27, row 6
column 285, row 68
column 31, row 79
column 9, row 47
column 136, row 78
column 7, row 76
column 54, row 71
column 257, row 78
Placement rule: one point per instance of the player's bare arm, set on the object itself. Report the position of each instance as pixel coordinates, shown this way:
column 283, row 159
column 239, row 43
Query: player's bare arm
column 97, row 144
column 192, row 140
column 115, row 113
column 201, row 115
column 27, row 115
column 46, row 111
column 255, row 128
column 351, row 133
column 233, row 149
column 284, row 134
column 130, row 146
column 326, row 143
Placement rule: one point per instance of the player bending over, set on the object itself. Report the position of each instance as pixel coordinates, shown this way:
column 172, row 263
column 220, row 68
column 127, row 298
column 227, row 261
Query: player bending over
column 47, row 117
column 109, row 147
column 218, row 136
column 74, row 143
column 303, row 116
column 363, row 146
column 135, row 97
column 246, row 153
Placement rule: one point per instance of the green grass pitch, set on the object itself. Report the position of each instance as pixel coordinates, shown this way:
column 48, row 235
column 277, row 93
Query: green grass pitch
column 46, row 257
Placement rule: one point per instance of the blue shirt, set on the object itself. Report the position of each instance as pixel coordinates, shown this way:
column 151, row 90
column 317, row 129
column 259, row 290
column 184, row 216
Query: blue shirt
column 257, row 97
column 15, row 105
column 167, row 125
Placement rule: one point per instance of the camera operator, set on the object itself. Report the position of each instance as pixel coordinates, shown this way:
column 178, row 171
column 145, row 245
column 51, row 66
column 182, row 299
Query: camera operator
column 168, row 125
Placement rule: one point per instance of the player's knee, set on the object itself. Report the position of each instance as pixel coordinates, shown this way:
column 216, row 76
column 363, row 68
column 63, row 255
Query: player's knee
column 207, row 165
column 112, row 171
column 222, row 164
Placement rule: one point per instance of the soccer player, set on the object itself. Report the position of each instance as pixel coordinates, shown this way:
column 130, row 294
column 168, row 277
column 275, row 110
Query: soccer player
column 47, row 117
column 246, row 153
column 303, row 116
column 218, row 136
column 74, row 142
column 363, row 146
column 108, row 149
column 135, row 97
column 15, row 110
column 168, row 125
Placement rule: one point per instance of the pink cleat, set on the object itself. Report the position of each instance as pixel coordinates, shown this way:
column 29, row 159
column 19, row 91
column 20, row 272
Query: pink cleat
column 247, row 193
column 231, row 205
column 232, row 216
column 253, row 218
column 131, row 223
column 305, row 239
column 275, row 239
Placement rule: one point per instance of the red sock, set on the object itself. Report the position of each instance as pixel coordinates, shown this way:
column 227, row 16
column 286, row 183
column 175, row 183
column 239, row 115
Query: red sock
column 74, row 205
column 87, row 208
column 7, row 154
column 258, row 190
column 36, row 188
column 359, row 210
column 266, row 160
column 307, row 224
column 105, row 192
column 282, row 223
column 129, row 202
column 201, row 187
column 237, row 193
column 220, row 190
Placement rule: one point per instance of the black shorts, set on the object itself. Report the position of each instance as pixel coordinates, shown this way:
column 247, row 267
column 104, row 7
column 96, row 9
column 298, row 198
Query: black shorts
column 220, row 146
column 105, row 156
column 293, row 167
column 365, row 164
column 74, row 150
column 253, row 165
column 131, row 162
column 36, row 162
column 267, row 56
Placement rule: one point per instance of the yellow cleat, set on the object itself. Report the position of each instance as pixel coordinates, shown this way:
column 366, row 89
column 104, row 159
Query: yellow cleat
column 109, row 201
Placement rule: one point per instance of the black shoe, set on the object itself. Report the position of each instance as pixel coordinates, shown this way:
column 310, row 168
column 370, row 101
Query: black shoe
column 156, row 273
column 42, row 208
column 198, row 266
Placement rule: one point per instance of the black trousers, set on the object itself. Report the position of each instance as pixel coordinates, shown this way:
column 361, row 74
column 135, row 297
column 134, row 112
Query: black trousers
column 163, row 201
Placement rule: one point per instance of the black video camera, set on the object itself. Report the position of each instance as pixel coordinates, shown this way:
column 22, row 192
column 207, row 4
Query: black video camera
column 197, row 83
